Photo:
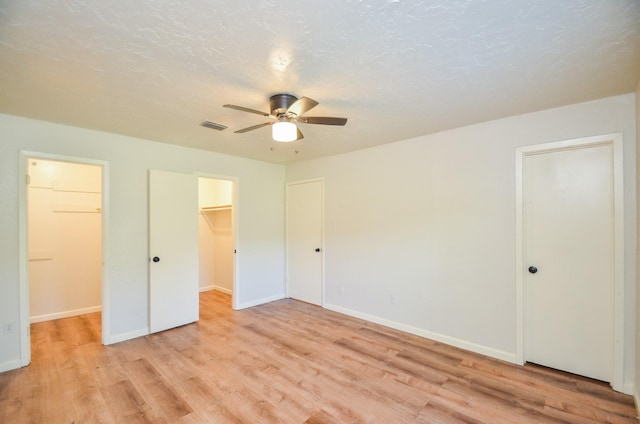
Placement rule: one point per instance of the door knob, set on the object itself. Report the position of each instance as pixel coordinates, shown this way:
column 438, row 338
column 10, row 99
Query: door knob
column 317, row 249
column 533, row 269
column 156, row 259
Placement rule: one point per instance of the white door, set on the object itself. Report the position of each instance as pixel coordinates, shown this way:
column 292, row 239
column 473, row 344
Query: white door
column 569, row 257
column 173, row 250
column 304, row 241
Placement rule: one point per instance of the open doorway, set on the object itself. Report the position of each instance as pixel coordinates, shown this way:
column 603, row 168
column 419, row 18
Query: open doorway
column 64, row 239
column 62, row 231
column 216, row 238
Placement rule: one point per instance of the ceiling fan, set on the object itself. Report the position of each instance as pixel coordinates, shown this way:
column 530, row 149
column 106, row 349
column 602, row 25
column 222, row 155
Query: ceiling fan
column 286, row 110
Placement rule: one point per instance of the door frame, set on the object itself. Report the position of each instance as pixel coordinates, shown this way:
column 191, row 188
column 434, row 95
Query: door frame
column 23, row 257
column 615, row 141
column 235, row 226
column 322, row 256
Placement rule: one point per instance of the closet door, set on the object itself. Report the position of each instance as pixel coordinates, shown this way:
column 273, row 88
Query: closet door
column 173, row 250
column 569, row 247
column 304, row 241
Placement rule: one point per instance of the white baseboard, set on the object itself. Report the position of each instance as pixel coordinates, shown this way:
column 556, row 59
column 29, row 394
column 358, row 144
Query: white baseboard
column 10, row 365
column 223, row 290
column 217, row 288
column 64, row 314
column 452, row 341
column 260, row 301
column 128, row 336
column 206, row 288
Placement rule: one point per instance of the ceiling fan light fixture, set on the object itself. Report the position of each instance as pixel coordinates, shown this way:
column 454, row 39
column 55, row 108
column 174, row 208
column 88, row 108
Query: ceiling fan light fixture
column 284, row 131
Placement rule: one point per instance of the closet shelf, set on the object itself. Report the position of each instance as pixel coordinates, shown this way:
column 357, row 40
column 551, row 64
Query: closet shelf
column 215, row 208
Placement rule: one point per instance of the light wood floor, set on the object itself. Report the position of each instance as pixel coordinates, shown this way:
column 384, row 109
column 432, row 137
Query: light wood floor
column 286, row 362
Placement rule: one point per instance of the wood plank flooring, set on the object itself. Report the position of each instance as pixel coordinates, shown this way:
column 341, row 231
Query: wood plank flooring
column 286, row 362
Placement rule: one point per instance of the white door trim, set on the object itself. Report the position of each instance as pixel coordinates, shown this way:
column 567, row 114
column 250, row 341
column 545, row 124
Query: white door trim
column 614, row 140
column 25, row 337
column 235, row 225
column 289, row 184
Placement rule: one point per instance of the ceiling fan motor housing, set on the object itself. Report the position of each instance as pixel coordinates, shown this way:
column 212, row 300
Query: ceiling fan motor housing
column 280, row 103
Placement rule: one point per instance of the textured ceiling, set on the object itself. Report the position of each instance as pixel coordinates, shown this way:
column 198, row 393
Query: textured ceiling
column 396, row 68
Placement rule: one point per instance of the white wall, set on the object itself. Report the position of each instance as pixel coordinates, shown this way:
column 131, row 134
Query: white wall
column 65, row 238
column 260, row 259
column 430, row 223
column 205, row 251
column 222, row 250
column 213, row 192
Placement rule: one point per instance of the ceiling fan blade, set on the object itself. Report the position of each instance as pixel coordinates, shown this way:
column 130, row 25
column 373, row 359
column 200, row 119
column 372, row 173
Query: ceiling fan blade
column 245, row 109
column 323, row 120
column 254, row 127
column 299, row 136
column 302, row 105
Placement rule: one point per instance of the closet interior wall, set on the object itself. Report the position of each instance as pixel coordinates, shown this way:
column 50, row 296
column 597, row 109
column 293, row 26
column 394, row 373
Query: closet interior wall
column 65, row 238
column 216, row 235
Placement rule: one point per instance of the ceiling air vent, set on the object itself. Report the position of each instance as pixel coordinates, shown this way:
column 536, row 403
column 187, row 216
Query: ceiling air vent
column 213, row 125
